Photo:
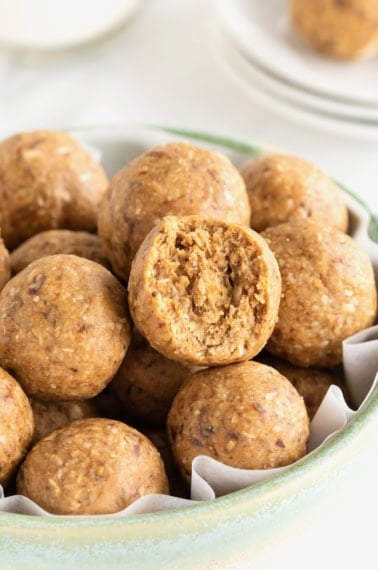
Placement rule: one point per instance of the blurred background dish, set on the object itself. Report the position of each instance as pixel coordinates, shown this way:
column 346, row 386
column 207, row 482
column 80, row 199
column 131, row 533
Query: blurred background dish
column 302, row 106
column 42, row 25
column 317, row 102
column 264, row 31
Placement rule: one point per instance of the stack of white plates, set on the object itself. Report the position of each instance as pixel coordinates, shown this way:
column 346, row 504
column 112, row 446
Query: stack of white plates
column 259, row 48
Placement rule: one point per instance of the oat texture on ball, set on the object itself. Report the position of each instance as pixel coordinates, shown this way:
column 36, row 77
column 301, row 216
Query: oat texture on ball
column 16, row 425
column 204, row 291
column 173, row 179
column 284, row 187
column 246, row 415
column 328, row 292
column 47, row 180
column 92, row 466
column 52, row 242
column 341, row 29
column 64, row 327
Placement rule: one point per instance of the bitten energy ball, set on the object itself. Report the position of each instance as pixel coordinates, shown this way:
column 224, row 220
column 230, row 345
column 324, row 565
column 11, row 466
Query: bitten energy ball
column 92, row 466
column 5, row 272
column 204, row 291
column 284, row 187
column 16, row 425
column 346, row 29
column 245, row 415
column 328, row 292
column 173, row 179
column 47, row 180
column 52, row 242
column 49, row 416
column 63, row 327
column 146, row 383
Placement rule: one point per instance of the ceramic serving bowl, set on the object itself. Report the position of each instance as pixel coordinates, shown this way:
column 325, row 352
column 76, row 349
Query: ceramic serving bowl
column 212, row 534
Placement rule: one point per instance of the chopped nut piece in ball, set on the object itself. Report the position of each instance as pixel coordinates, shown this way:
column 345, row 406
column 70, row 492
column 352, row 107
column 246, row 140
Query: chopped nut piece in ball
column 328, row 292
column 174, row 179
column 16, row 425
column 64, row 327
column 245, row 415
column 52, row 242
column 284, row 187
column 92, row 466
column 204, row 291
column 47, row 180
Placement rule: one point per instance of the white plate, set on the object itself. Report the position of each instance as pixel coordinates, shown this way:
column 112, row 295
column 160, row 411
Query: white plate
column 263, row 30
column 310, row 101
column 257, row 86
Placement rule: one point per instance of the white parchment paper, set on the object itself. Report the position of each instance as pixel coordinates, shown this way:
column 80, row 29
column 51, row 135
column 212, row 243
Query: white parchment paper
column 211, row 479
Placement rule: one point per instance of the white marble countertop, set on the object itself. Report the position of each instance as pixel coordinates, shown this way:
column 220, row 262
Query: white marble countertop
column 161, row 69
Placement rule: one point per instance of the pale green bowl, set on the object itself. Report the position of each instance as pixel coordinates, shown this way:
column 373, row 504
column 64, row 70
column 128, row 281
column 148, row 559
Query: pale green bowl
column 212, row 534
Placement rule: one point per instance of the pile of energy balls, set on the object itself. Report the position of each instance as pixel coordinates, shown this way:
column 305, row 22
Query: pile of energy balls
column 182, row 308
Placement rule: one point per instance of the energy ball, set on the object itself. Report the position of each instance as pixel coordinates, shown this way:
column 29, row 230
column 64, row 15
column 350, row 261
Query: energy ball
column 49, row 416
column 311, row 383
column 284, row 187
column 203, row 291
column 174, row 179
column 52, row 242
column 92, row 466
column 146, row 383
column 246, row 415
column 5, row 272
column 64, row 327
column 47, row 180
column 328, row 292
column 341, row 29
column 16, row 425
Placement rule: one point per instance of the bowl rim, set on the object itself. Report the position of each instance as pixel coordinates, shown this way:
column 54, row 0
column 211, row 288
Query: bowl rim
column 252, row 497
